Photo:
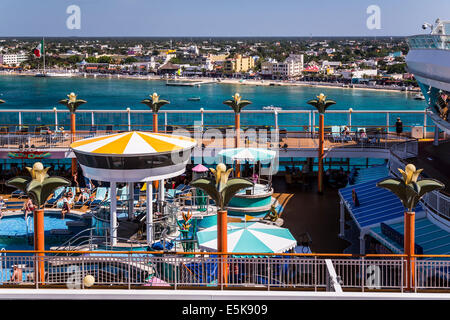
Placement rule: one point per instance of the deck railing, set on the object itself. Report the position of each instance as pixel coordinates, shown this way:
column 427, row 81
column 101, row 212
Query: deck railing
column 35, row 121
column 429, row 41
column 170, row 270
column 437, row 201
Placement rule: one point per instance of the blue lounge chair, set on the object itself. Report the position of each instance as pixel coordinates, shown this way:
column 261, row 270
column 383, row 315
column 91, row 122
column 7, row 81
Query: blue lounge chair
column 56, row 196
column 100, row 196
column 79, row 204
column 336, row 134
column 17, row 194
column 123, row 196
column 71, row 200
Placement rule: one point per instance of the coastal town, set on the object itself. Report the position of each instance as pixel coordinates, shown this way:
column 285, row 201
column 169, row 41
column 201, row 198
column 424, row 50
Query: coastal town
column 370, row 62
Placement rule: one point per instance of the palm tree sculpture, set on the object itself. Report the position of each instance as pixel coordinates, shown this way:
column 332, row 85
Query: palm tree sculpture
column 154, row 103
column 237, row 104
column 410, row 191
column 321, row 104
column 221, row 190
column 38, row 187
column 72, row 104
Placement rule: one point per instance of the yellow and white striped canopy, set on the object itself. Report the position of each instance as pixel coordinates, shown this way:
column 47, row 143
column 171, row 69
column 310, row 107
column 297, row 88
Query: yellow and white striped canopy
column 133, row 143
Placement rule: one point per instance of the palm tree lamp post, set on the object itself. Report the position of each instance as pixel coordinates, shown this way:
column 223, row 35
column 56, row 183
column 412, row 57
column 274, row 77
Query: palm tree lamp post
column 410, row 191
column 221, row 190
column 321, row 104
column 237, row 104
column 38, row 187
column 155, row 103
column 72, row 104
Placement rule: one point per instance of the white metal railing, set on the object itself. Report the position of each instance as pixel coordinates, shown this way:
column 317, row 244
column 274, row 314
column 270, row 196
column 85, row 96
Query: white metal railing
column 432, row 274
column 264, row 272
column 435, row 200
column 429, row 41
column 140, row 119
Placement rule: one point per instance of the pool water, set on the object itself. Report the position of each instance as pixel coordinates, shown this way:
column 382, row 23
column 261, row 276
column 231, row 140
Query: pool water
column 15, row 235
column 16, row 225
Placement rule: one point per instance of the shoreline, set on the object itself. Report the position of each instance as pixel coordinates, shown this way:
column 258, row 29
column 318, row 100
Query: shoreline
column 250, row 82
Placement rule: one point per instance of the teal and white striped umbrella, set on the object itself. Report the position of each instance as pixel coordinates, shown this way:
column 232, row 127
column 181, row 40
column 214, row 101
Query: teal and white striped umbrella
column 249, row 237
column 247, row 154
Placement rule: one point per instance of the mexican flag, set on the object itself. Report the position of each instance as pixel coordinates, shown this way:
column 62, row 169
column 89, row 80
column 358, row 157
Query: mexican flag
column 39, row 50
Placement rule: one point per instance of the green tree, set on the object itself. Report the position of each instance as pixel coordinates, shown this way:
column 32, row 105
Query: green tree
column 104, row 59
column 91, row 59
column 129, row 60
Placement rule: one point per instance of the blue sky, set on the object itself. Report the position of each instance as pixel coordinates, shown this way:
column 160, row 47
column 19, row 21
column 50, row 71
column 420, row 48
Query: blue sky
column 218, row 18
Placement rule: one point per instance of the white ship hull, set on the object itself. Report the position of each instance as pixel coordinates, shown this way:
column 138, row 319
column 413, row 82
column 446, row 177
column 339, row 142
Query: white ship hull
column 430, row 67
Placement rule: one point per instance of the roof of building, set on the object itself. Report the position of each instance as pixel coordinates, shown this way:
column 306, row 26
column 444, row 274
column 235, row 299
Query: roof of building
column 169, row 66
column 376, row 205
column 431, row 238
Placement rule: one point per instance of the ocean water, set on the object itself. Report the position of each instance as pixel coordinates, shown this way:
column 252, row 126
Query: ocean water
column 43, row 93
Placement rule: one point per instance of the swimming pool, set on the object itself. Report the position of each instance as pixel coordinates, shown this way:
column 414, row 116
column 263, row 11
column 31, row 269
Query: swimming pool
column 16, row 233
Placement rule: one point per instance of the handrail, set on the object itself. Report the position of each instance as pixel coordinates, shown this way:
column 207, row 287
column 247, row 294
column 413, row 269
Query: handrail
column 399, row 152
column 342, row 255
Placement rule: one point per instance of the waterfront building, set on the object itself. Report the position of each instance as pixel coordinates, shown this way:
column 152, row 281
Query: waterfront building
column 238, row 64
column 13, row 59
column 292, row 67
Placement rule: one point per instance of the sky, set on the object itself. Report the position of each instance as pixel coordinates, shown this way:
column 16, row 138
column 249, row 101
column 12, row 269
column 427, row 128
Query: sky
column 214, row 18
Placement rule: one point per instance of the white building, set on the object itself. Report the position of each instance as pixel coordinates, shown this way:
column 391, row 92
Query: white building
column 291, row 67
column 358, row 74
column 13, row 59
column 331, row 64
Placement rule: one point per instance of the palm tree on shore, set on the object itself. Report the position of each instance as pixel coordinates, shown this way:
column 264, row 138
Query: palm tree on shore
column 221, row 190
column 155, row 103
column 72, row 103
column 38, row 186
column 410, row 191
column 321, row 104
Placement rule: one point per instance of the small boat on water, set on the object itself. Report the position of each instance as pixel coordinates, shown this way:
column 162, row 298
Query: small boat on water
column 419, row 96
column 194, row 99
column 54, row 74
column 272, row 108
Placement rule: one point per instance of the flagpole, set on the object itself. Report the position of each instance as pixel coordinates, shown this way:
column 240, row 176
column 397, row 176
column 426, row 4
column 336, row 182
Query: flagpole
column 43, row 51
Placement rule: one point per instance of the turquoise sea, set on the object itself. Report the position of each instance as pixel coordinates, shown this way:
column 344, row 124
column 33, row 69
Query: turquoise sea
column 22, row 92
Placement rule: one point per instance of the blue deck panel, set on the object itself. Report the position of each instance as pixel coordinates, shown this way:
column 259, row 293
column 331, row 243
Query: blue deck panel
column 370, row 174
column 429, row 236
column 376, row 204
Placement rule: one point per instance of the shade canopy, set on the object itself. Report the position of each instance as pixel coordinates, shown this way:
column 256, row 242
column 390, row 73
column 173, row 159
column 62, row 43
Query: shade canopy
column 200, row 168
column 133, row 156
column 247, row 154
column 250, row 237
column 133, row 143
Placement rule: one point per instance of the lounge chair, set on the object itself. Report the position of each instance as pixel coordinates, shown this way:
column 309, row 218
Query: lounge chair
column 17, row 193
column 100, row 196
column 71, row 200
column 123, row 196
column 92, row 131
column 79, row 204
column 336, row 134
column 55, row 198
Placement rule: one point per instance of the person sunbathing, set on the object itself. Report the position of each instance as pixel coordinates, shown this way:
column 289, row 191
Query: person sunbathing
column 17, row 274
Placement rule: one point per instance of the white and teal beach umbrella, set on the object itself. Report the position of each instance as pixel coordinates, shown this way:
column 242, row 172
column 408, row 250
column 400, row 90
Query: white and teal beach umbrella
column 250, row 237
column 247, row 154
